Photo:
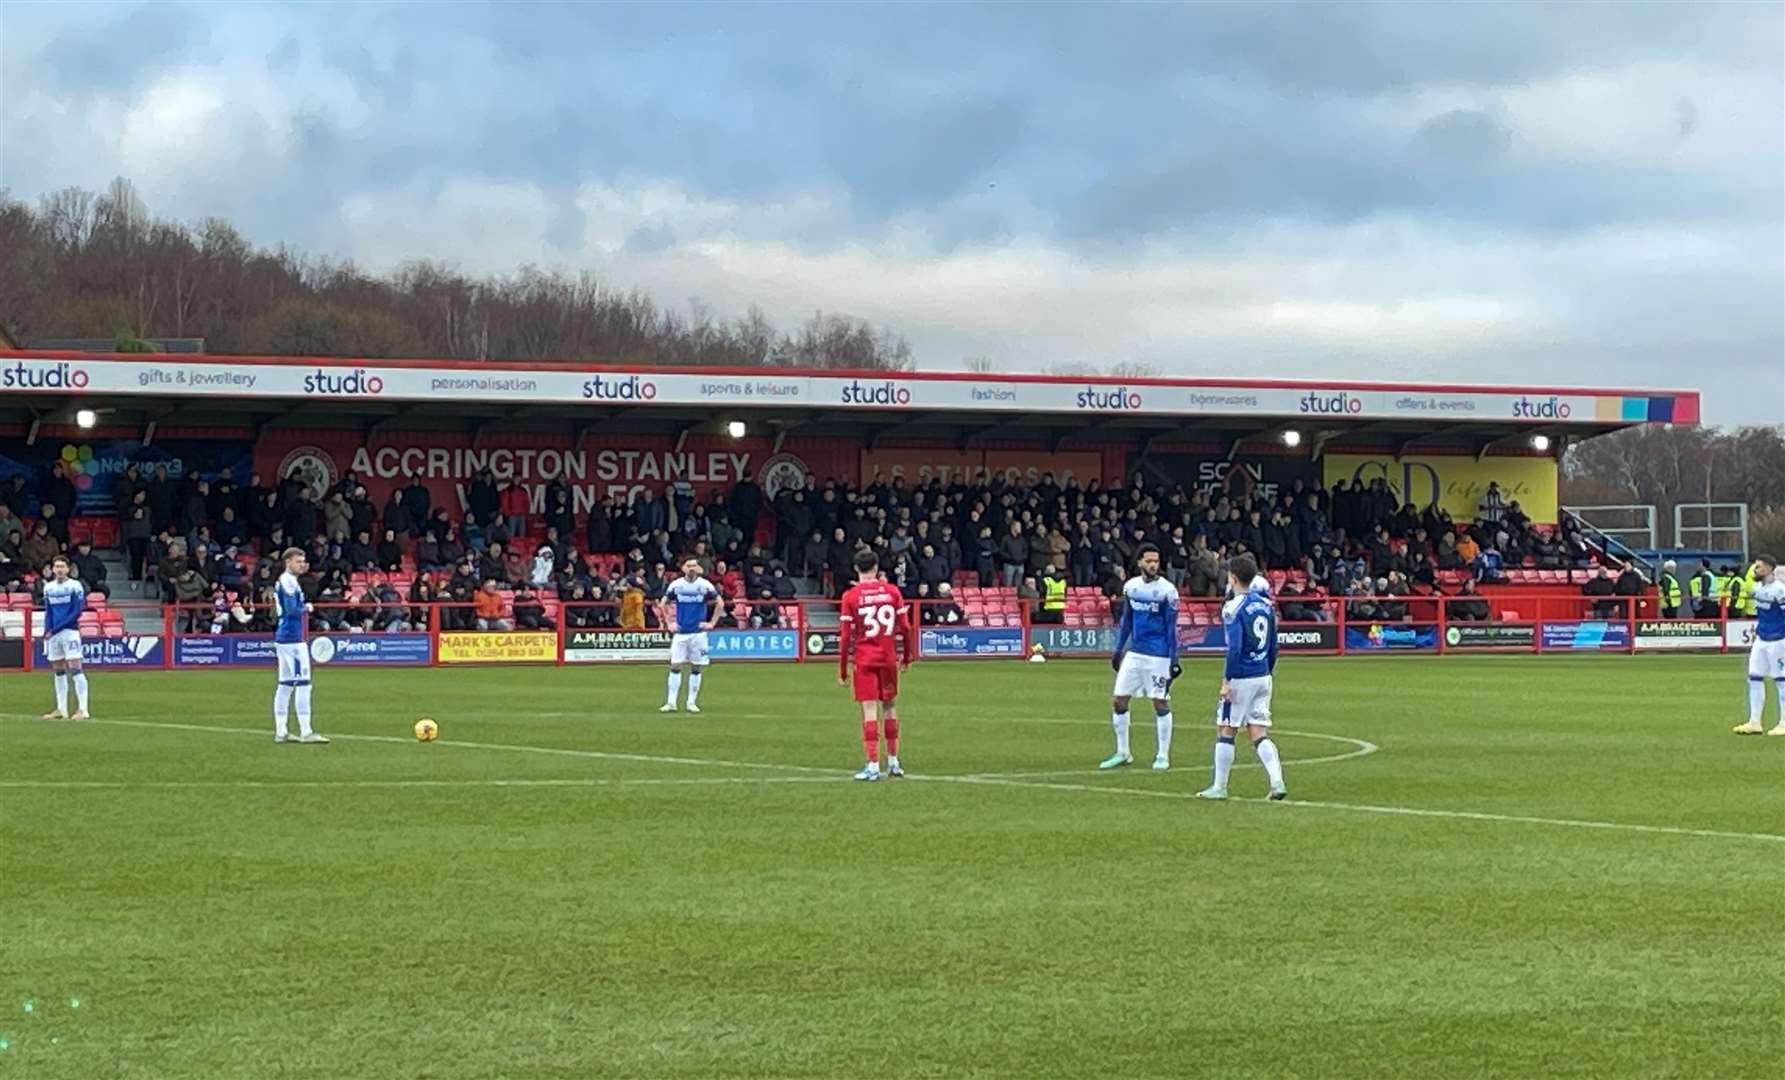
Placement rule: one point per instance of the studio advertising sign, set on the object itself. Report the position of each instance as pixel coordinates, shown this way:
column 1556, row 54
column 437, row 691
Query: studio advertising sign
column 482, row 384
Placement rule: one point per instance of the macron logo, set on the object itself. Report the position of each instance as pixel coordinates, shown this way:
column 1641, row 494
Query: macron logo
column 1552, row 408
column 356, row 383
column 630, row 388
column 1333, row 405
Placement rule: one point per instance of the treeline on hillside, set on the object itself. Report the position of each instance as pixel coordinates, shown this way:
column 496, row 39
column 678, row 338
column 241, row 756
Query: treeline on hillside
column 1665, row 465
column 98, row 265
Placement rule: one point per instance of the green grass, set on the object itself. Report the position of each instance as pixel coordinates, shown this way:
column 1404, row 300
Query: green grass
column 329, row 924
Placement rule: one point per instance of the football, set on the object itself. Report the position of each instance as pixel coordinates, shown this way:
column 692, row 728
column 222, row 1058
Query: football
column 426, row 730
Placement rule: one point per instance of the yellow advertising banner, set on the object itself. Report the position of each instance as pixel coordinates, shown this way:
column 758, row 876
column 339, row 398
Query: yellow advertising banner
column 525, row 647
column 1455, row 483
column 974, row 466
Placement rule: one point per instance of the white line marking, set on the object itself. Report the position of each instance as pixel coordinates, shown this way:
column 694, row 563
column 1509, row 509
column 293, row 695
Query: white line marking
column 601, row 755
column 1364, row 748
column 1366, row 808
column 207, row 784
column 1151, row 793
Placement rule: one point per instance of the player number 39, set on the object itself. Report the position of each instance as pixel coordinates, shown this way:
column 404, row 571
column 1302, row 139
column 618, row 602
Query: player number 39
column 878, row 620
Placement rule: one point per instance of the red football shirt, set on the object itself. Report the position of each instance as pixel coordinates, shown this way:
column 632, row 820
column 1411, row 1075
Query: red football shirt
column 873, row 620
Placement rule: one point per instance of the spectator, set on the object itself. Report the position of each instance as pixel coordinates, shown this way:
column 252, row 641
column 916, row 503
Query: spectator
column 1492, row 508
column 947, row 612
column 360, row 554
column 1467, row 606
column 539, row 575
column 632, row 606
column 390, row 552
column 765, row 613
column 418, row 503
column 1633, row 585
column 529, row 613
column 1487, row 568
column 452, row 549
column 88, row 568
column 52, row 521
column 1052, row 610
column 58, row 492
column 1029, row 595
column 421, row 595
column 489, row 608
column 1602, row 588
column 190, row 592
column 1013, row 553
column 1295, row 609
column 41, row 547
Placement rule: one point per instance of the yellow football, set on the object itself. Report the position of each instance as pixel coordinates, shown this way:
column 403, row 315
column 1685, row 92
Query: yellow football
column 426, row 730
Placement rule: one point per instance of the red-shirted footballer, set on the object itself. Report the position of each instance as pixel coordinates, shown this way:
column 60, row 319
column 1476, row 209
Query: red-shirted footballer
column 877, row 631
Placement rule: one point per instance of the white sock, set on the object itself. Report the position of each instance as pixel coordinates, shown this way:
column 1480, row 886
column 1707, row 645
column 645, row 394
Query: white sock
column 1756, row 699
column 675, row 686
column 303, row 710
column 693, row 687
column 1223, row 759
column 1162, row 724
column 1780, row 685
column 80, row 689
column 892, row 761
column 1120, row 722
column 1267, row 753
column 61, row 692
column 281, row 707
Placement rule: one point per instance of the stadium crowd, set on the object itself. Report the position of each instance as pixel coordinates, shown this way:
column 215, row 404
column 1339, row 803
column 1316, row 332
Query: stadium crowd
column 498, row 562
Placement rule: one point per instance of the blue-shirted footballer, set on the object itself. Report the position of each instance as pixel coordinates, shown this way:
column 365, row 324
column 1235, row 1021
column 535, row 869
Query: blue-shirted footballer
column 63, row 601
column 690, row 606
column 1766, row 660
column 293, row 653
column 1249, row 620
column 1146, row 657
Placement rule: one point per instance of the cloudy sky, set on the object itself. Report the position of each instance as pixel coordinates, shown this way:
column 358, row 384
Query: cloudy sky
column 1551, row 193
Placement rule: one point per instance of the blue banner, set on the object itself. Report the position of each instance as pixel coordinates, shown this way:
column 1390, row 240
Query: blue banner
column 1377, row 636
column 129, row 650
column 256, row 650
column 93, row 465
column 1592, row 634
column 769, row 644
column 384, row 649
column 972, row 641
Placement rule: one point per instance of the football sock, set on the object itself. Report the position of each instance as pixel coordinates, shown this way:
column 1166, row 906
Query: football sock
column 693, row 687
column 1162, row 724
column 1120, row 722
column 1756, row 699
column 303, row 709
column 871, row 740
column 1223, row 759
column 61, row 692
column 1267, row 753
column 675, row 686
column 80, row 689
column 281, row 707
column 892, row 737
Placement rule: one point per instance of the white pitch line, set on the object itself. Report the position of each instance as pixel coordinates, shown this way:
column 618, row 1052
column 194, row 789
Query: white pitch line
column 1364, row 748
column 601, row 755
column 1366, row 808
column 207, row 784
column 1152, row 793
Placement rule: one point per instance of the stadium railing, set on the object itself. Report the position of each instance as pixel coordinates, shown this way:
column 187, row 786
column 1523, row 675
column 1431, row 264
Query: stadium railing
column 439, row 633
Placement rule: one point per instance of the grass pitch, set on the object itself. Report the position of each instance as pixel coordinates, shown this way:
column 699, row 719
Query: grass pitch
column 1551, row 867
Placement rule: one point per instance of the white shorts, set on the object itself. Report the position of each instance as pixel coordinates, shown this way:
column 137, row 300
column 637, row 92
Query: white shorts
column 1144, row 676
column 1766, row 660
column 688, row 649
column 63, row 645
column 294, row 663
column 1251, row 704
